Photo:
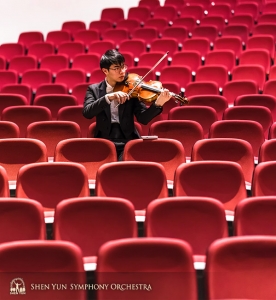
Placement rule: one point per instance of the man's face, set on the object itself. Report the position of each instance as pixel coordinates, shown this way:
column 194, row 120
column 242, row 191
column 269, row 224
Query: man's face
column 116, row 73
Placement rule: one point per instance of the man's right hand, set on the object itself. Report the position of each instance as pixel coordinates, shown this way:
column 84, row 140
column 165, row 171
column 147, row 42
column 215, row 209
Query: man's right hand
column 120, row 97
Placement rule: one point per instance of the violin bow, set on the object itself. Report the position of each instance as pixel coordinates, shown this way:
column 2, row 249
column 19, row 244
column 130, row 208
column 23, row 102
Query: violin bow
column 159, row 61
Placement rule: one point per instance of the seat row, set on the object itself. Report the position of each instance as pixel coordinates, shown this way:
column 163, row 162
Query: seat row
column 165, row 264
column 193, row 59
column 135, row 47
column 177, row 78
column 67, row 146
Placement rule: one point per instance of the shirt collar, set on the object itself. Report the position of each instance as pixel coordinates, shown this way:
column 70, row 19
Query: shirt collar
column 109, row 88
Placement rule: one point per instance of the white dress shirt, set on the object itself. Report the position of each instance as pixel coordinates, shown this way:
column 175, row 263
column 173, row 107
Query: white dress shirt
column 113, row 109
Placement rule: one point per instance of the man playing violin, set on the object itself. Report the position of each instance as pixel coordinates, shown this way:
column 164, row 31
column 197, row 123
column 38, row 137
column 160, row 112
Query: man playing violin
column 115, row 111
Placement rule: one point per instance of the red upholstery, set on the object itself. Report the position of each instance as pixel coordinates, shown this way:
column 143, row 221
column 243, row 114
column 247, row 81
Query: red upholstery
column 21, row 219
column 185, row 131
column 8, row 77
column 54, row 62
column 221, row 57
column 88, row 62
column 31, row 151
column 51, row 132
column 263, row 183
column 56, row 37
column 259, row 114
column 8, row 130
column 268, row 101
column 70, row 77
column 51, row 88
column 228, row 149
column 74, row 114
column 250, row 131
column 206, row 31
column 235, row 88
column 250, row 72
column 73, row 26
column 219, row 103
column 91, row 153
column 222, row 180
column 35, row 262
column 187, row 58
column 71, row 48
column 165, row 264
column 267, row 150
column 7, row 100
column 255, row 216
column 201, row 88
column 200, row 44
column 21, row 89
column 256, row 57
column 25, row 115
column 4, row 184
column 74, row 216
column 36, row 77
column 49, row 183
column 132, row 175
column 266, row 42
column 20, row 64
column 86, row 36
column 9, row 50
column 236, row 268
column 168, row 152
column 54, row 102
column 218, row 74
column 196, row 220
column 228, row 42
column 204, row 115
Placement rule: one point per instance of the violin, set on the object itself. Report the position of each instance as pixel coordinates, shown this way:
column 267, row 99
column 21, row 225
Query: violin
column 146, row 92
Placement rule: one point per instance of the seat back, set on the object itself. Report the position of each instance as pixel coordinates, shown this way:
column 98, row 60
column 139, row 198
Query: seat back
column 49, row 183
column 54, row 102
column 255, row 216
column 267, row 151
column 248, row 130
column 8, row 130
column 25, row 115
column 196, row 220
column 204, row 115
column 52, row 132
column 239, row 264
column 31, row 151
column 164, row 263
column 262, row 183
column 35, row 262
column 94, row 213
column 259, row 114
column 222, row 180
column 228, row 149
column 168, row 152
column 185, row 131
column 133, row 175
column 219, row 103
column 91, row 153
column 21, row 219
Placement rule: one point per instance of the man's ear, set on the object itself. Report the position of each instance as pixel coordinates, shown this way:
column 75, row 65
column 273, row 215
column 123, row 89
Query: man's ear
column 105, row 71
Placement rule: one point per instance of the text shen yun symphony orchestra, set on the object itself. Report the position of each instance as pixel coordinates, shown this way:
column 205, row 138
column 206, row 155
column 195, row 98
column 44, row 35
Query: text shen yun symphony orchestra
column 112, row 286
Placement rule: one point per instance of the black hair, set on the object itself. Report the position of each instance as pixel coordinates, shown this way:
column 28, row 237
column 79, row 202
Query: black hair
column 111, row 57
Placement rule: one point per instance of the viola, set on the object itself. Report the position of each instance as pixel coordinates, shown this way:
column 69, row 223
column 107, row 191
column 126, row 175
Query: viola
column 146, row 92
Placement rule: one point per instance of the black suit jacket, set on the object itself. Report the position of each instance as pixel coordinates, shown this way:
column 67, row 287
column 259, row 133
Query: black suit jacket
column 95, row 105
